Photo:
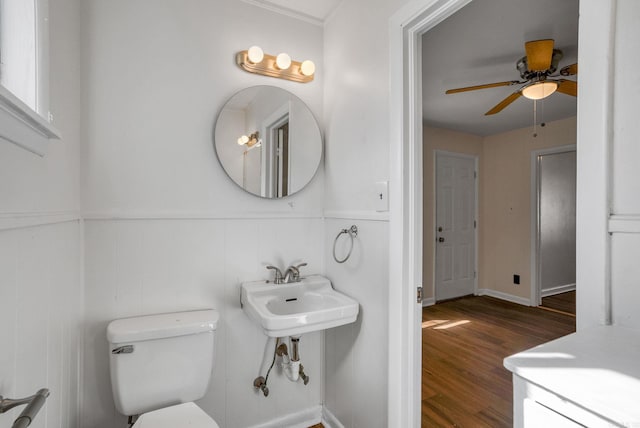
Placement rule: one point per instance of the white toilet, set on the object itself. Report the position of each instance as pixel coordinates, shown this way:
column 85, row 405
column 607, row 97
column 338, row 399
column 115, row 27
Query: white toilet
column 160, row 364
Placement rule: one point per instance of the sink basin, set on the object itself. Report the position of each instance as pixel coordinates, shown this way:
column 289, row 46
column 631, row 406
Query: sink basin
column 296, row 308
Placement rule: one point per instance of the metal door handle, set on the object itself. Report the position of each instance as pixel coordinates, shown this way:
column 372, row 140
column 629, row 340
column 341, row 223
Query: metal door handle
column 441, row 239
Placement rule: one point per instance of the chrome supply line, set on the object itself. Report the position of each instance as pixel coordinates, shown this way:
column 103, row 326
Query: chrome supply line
column 34, row 404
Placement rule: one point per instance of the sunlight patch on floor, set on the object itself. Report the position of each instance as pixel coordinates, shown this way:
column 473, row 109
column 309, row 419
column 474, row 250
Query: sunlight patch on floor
column 431, row 323
column 443, row 324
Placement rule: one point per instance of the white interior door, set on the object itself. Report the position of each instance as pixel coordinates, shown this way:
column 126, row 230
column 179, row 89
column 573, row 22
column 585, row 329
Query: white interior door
column 455, row 225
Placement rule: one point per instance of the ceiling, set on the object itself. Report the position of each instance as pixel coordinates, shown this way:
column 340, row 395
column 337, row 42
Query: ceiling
column 481, row 44
column 314, row 10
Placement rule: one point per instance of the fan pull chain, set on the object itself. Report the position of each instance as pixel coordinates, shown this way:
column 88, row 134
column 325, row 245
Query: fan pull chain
column 535, row 117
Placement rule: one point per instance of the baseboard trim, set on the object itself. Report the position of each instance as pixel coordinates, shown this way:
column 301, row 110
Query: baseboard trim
column 329, row 420
column 558, row 290
column 429, row 301
column 504, row 296
column 302, row 419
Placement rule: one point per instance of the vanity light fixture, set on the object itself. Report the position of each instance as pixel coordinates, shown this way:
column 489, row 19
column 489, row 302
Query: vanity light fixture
column 254, row 60
column 255, row 54
column 250, row 141
column 283, row 61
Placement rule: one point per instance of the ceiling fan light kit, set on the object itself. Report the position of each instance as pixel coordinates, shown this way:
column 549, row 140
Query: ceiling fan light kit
column 539, row 64
column 539, row 90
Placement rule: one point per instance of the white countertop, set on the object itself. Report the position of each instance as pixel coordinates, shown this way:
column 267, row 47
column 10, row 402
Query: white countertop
column 597, row 369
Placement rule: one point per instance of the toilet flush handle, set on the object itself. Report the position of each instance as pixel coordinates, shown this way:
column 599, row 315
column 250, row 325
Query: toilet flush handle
column 126, row 349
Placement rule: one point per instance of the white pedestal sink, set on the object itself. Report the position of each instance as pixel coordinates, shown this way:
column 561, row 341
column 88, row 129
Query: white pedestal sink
column 296, row 308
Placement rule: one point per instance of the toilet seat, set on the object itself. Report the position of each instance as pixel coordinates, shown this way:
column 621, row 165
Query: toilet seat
column 178, row 416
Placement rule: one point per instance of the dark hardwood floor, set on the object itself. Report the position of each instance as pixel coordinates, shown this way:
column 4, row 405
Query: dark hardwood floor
column 464, row 341
column 565, row 302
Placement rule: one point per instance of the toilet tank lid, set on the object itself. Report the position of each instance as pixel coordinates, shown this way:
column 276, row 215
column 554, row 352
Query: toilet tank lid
column 160, row 326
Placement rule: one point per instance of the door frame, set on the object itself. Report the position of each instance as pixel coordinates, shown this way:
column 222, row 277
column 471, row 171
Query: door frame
column 405, row 196
column 536, row 287
column 436, row 153
column 595, row 136
column 268, row 128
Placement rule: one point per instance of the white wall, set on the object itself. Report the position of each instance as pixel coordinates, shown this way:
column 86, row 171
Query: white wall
column 41, row 300
column 356, row 355
column 166, row 229
column 41, row 317
column 356, row 113
column 153, row 87
column 138, row 267
column 625, row 199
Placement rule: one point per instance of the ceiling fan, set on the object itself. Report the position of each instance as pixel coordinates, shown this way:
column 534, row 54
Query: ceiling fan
column 535, row 69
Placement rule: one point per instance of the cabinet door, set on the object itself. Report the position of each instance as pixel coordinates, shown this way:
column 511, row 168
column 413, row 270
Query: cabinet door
column 537, row 415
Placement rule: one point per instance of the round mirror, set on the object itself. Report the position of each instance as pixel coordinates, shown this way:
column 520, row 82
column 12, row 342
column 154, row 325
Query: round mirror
column 268, row 141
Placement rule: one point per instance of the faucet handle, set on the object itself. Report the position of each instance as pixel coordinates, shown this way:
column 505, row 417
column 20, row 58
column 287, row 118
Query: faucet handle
column 278, row 274
column 296, row 271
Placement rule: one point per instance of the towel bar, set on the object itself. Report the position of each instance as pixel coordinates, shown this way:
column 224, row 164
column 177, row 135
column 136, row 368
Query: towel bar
column 34, row 404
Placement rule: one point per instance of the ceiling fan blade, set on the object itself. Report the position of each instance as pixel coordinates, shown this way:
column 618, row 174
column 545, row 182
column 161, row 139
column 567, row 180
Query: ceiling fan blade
column 568, row 87
column 539, row 54
column 502, row 104
column 569, row 70
column 488, row 85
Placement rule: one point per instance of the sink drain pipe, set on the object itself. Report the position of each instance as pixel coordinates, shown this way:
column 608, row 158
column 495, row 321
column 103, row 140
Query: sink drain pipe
column 291, row 365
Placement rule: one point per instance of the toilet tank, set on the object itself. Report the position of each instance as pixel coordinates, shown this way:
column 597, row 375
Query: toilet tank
column 161, row 360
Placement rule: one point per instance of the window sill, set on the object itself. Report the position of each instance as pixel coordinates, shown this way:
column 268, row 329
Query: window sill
column 20, row 125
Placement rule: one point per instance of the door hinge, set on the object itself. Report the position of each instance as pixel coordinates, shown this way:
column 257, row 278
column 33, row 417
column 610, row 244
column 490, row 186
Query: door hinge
column 474, row 273
column 475, row 174
column 419, row 295
column 474, row 224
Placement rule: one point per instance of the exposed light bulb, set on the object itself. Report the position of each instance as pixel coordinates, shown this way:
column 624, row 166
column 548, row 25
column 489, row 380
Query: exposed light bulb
column 255, row 54
column 243, row 140
column 307, row 68
column 283, row 61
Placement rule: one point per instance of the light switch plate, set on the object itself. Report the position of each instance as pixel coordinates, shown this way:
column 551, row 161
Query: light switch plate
column 381, row 196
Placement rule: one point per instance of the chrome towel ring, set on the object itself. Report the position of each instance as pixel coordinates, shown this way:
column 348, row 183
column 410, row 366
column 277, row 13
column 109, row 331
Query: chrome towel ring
column 352, row 232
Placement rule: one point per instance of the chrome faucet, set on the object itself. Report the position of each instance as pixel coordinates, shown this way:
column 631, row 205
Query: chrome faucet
column 292, row 274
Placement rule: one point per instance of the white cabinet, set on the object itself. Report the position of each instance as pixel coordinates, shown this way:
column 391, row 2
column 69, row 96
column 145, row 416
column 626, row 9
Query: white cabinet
column 536, row 415
column 590, row 378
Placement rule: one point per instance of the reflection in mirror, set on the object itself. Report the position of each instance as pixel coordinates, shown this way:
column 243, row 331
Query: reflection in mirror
column 268, row 141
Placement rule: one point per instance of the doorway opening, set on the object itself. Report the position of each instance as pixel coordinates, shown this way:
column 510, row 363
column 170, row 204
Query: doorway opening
column 276, row 155
column 553, row 274
column 481, row 43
